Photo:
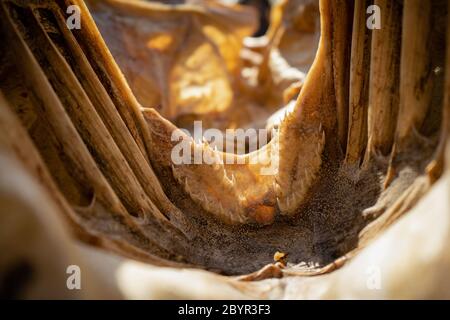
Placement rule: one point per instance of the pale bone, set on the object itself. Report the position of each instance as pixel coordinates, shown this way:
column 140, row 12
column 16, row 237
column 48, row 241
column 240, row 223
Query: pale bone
column 342, row 35
column 119, row 131
column 139, row 281
column 359, row 85
column 47, row 250
column 436, row 167
column 316, row 109
column 293, row 24
column 384, row 78
column 15, row 140
column 74, row 148
column 416, row 80
column 303, row 129
column 314, row 115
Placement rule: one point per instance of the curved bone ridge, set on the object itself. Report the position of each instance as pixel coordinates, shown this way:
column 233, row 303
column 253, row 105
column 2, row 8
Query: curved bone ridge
column 92, row 120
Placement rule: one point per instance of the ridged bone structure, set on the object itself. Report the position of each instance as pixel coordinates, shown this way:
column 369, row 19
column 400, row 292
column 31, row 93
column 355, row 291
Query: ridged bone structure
column 362, row 143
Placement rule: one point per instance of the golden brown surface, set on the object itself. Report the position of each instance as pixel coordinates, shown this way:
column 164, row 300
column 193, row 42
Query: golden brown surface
column 87, row 116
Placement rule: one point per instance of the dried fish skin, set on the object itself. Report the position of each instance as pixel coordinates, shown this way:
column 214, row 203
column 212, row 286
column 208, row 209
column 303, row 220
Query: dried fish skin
column 359, row 197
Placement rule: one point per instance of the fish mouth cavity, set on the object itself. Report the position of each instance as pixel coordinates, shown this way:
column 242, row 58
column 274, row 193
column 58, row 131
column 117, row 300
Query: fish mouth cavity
column 138, row 185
